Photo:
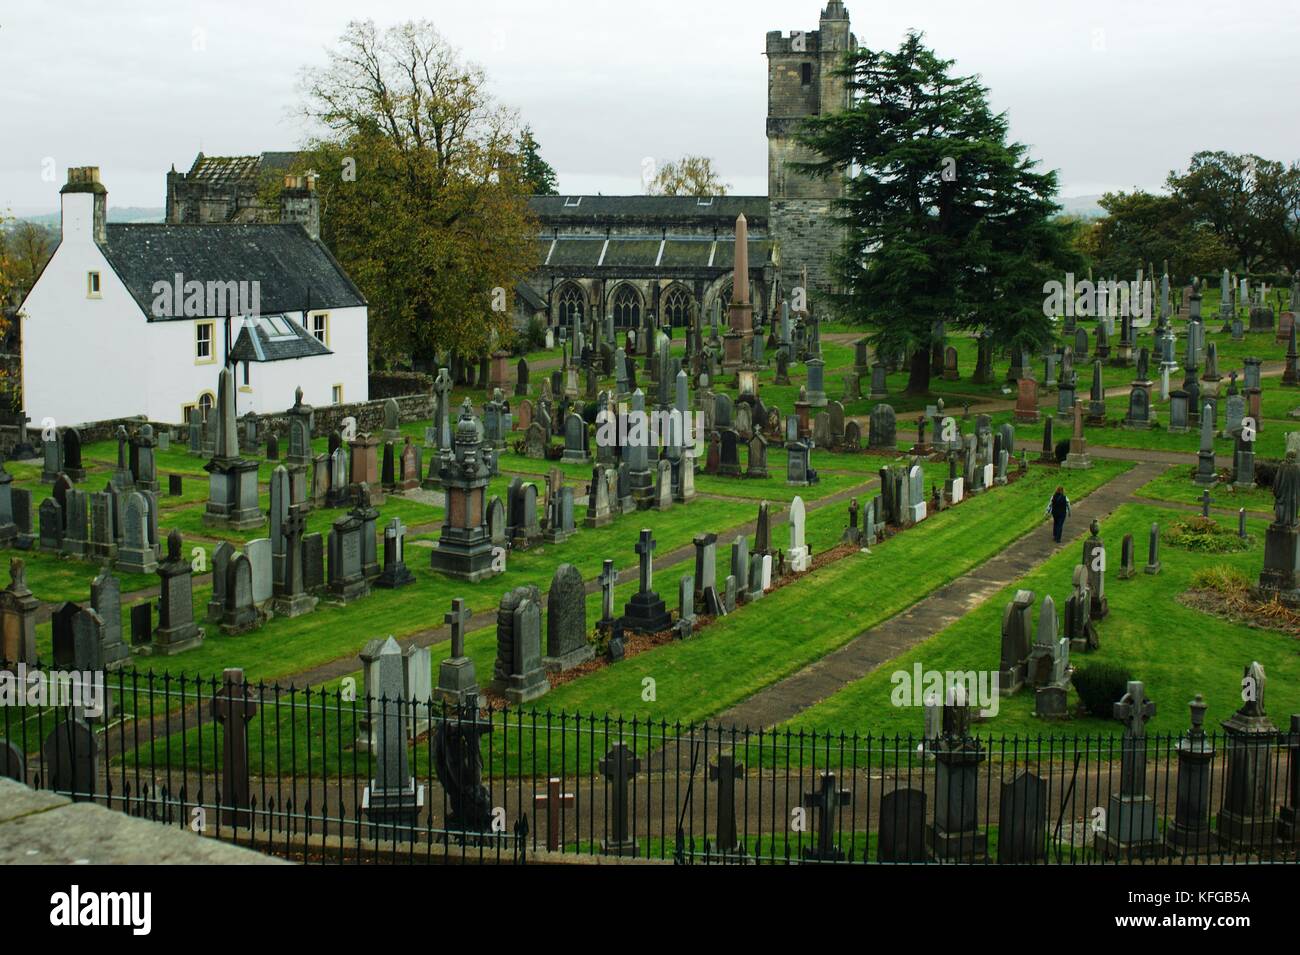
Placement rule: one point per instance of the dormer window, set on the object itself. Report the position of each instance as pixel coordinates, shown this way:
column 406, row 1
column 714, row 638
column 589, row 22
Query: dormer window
column 92, row 285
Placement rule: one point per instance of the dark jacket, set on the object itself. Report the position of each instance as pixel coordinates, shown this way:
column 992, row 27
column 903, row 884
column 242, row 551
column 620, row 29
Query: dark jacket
column 1059, row 506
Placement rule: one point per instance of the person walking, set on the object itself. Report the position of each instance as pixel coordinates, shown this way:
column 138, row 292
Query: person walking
column 1058, row 508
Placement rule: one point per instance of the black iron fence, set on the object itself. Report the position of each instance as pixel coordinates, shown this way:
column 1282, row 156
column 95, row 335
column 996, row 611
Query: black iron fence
column 322, row 776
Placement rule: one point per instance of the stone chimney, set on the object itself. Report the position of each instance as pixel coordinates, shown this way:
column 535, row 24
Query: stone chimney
column 300, row 203
column 84, row 205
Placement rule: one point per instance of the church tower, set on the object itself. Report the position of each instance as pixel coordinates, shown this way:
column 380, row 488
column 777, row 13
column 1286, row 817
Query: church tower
column 801, row 82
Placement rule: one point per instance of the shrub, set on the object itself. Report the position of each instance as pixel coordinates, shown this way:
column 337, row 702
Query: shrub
column 1264, row 472
column 1224, row 580
column 1205, row 535
column 532, row 338
column 1100, row 686
column 1062, row 450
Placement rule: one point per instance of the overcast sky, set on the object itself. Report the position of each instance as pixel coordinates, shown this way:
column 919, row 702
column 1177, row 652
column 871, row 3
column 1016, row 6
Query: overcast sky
column 1113, row 93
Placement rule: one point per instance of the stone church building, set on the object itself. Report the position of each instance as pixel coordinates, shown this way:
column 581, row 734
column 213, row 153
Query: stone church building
column 667, row 255
column 630, row 256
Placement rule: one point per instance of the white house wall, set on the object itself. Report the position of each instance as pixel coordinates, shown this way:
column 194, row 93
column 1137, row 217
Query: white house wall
column 90, row 359
column 84, row 359
column 271, row 384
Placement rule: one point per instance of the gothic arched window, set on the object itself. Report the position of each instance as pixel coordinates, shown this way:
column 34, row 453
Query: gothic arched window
column 676, row 307
column 627, row 307
column 571, row 305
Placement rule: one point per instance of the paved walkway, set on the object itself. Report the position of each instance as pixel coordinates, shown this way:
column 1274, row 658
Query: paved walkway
column 941, row 608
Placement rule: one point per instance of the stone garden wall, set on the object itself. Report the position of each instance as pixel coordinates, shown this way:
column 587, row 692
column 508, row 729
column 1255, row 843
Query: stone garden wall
column 369, row 415
column 397, row 384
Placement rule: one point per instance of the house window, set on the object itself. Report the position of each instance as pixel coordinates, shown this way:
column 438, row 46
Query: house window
column 320, row 327
column 336, row 393
column 246, row 374
column 203, row 342
column 185, row 413
column 805, row 74
column 206, row 401
column 92, row 285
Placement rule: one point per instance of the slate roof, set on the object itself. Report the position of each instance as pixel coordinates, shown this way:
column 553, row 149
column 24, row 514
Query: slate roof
column 584, row 252
column 295, row 272
column 227, row 168
column 599, row 210
column 262, row 339
column 530, row 296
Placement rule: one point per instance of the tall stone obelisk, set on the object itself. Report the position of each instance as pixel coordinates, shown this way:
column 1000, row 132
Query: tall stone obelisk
column 232, row 480
column 740, row 314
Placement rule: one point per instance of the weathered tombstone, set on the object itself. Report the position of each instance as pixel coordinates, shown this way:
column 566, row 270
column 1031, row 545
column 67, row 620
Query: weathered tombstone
column 1246, row 818
column 233, row 707
column 392, row 802
column 1189, row 833
column 619, row 768
column 395, row 572
column 1132, row 825
column 1023, row 820
column 518, row 674
column 141, row 624
column 259, row 557
column 71, row 759
column 902, row 833
column 566, row 621
column 239, row 613
column 646, row 612
column 1016, row 627
column 457, row 680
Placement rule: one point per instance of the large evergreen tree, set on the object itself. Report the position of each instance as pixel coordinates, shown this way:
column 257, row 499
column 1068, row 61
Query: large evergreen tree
column 947, row 220
column 536, row 172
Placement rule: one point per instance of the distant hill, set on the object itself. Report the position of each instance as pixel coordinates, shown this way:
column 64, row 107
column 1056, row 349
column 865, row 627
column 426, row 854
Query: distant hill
column 1085, row 207
column 115, row 214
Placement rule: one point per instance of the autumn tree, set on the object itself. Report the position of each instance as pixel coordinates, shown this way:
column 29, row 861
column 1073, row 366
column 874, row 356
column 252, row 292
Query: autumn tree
column 423, row 192
column 688, row 176
column 946, row 219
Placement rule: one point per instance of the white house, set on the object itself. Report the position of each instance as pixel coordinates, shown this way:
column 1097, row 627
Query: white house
column 139, row 319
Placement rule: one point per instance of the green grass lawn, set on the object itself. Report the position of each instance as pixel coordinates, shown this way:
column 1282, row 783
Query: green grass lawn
column 762, row 642
column 1176, row 484
column 1175, row 650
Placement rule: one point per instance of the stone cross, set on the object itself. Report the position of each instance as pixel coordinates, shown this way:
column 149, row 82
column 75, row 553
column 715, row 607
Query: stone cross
column 233, row 708
column 726, row 772
column 645, row 550
column 619, row 766
column 553, row 799
column 823, row 802
column 442, row 390
column 1134, row 709
column 1205, row 503
column 457, row 618
column 608, row 578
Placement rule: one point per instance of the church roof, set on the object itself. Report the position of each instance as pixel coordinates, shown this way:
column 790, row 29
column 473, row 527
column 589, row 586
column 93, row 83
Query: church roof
column 294, row 272
column 678, row 252
column 720, row 211
column 232, row 168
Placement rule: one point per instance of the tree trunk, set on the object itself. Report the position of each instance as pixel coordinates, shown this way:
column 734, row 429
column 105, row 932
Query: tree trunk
column 918, row 381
